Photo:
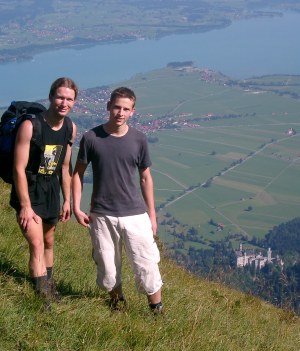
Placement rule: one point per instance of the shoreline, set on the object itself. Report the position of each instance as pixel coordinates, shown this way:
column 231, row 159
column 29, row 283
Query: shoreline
column 23, row 54
column 225, row 51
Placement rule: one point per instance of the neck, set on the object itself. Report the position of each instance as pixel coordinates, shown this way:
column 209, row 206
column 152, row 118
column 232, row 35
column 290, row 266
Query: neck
column 117, row 131
column 54, row 121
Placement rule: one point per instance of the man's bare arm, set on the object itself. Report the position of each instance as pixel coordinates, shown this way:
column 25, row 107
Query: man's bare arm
column 77, row 187
column 21, row 156
column 66, row 173
column 146, row 183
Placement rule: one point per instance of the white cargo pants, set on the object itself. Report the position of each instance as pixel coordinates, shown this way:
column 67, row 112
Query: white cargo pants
column 107, row 235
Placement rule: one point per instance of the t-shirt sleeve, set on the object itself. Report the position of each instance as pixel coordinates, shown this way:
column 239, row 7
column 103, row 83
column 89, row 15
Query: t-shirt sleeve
column 144, row 160
column 82, row 156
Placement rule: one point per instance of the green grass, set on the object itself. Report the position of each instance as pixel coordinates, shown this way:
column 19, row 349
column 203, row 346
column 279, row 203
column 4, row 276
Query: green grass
column 200, row 315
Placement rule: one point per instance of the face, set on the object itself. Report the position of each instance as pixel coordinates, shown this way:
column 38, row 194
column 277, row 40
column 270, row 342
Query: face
column 120, row 110
column 62, row 101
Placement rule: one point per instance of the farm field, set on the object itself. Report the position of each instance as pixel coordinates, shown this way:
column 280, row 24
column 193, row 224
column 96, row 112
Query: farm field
column 266, row 182
column 251, row 161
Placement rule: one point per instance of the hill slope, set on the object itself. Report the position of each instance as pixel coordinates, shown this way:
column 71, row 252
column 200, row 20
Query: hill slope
column 200, row 315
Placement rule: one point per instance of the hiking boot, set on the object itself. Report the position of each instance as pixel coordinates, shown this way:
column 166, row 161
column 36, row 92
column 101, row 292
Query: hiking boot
column 40, row 286
column 53, row 294
column 118, row 304
column 157, row 308
column 41, row 289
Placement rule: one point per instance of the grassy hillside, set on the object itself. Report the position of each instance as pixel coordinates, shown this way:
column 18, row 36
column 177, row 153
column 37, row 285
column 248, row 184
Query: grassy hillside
column 200, row 315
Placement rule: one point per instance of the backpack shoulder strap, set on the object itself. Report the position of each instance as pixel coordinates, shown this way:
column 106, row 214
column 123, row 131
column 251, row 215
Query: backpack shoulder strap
column 69, row 130
column 37, row 146
column 37, row 130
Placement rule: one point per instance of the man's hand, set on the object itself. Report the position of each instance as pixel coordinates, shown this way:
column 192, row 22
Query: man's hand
column 82, row 218
column 153, row 223
column 66, row 212
column 25, row 216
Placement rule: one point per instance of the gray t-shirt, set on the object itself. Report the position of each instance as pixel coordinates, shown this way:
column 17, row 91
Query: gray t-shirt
column 115, row 161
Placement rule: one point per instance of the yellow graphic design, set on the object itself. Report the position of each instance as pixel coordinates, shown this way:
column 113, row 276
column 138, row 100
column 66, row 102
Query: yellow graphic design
column 51, row 157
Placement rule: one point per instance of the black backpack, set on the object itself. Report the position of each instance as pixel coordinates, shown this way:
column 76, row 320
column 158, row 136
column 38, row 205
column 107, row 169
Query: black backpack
column 11, row 119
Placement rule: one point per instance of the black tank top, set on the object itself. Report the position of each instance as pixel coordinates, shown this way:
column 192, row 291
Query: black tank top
column 49, row 160
column 55, row 143
column 43, row 171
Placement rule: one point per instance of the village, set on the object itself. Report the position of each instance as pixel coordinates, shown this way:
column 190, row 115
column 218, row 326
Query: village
column 90, row 108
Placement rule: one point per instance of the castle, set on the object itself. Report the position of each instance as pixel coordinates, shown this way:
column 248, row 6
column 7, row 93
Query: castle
column 246, row 257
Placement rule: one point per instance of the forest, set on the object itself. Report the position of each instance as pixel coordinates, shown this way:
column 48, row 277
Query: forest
column 278, row 284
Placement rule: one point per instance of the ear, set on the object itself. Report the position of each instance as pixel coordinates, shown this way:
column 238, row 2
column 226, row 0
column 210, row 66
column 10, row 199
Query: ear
column 108, row 106
column 132, row 112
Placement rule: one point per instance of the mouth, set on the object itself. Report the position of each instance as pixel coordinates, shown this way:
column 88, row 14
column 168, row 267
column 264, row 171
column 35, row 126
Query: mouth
column 63, row 110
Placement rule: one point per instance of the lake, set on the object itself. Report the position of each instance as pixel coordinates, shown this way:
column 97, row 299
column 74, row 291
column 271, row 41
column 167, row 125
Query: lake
column 246, row 48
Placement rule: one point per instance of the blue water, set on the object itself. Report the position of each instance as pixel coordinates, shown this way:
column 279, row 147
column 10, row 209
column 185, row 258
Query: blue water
column 246, row 48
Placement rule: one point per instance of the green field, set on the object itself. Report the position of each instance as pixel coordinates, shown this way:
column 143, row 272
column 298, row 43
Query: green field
column 252, row 161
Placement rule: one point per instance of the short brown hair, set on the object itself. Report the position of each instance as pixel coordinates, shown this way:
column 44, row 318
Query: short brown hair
column 123, row 92
column 63, row 82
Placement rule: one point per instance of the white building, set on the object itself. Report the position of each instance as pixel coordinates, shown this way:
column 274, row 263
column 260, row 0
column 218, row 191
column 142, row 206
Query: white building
column 246, row 257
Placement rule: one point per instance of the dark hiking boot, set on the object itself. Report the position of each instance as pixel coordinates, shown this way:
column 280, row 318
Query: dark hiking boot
column 40, row 285
column 53, row 294
column 118, row 304
column 157, row 308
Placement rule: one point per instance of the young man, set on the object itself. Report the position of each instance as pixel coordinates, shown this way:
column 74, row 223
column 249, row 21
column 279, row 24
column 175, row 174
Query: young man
column 38, row 176
column 118, row 212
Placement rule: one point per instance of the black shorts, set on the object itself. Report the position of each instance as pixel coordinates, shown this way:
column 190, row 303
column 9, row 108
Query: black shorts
column 50, row 221
column 44, row 194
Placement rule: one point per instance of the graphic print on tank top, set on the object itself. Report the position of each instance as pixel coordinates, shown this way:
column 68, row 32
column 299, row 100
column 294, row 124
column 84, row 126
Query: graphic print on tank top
column 51, row 158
